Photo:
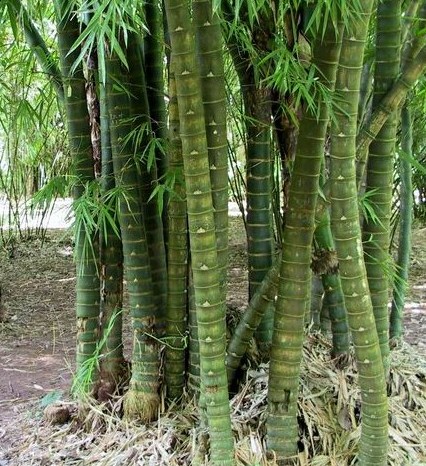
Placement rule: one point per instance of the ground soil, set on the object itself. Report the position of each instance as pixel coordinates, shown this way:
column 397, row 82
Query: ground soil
column 37, row 349
column 37, row 337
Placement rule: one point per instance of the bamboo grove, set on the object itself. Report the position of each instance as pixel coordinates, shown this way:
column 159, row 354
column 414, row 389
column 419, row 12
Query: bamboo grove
column 159, row 100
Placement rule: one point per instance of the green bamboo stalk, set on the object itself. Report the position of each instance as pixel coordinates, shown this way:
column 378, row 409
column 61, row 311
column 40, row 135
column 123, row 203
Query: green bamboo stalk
column 154, row 74
column 148, row 179
column 336, row 313
column 295, row 273
column 406, row 198
column 250, row 320
column 194, row 371
column 411, row 72
column 347, row 236
column 393, row 98
column 333, row 294
column 111, row 363
column 209, row 305
column 177, row 260
column 259, row 226
column 210, row 58
column 317, row 292
column 397, row 93
column 379, row 181
column 257, row 111
column 142, row 399
column 410, row 15
column 88, row 285
column 406, row 217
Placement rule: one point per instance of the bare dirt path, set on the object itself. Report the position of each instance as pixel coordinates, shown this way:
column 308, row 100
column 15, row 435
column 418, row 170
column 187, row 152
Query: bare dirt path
column 36, row 349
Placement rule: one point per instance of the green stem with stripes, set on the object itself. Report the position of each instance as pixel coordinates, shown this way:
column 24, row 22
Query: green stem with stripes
column 111, row 364
column 250, row 320
column 333, row 294
column 210, row 58
column 142, row 399
column 86, row 246
column 295, row 273
column 347, row 236
column 257, row 115
column 406, row 218
column 380, row 165
column 210, row 306
column 147, row 174
column 177, row 260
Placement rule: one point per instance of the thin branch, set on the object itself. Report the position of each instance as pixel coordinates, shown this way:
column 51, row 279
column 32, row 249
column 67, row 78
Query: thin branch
column 38, row 46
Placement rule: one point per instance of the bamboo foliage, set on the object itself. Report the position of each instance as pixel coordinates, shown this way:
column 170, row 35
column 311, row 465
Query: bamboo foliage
column 38, row 46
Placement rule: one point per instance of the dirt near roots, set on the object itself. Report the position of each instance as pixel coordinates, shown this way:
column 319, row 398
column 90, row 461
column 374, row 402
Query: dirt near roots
column 37, row 349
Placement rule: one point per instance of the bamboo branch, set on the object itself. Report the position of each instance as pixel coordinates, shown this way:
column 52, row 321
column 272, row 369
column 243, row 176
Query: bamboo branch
column 38, row 46
column 390, row 102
